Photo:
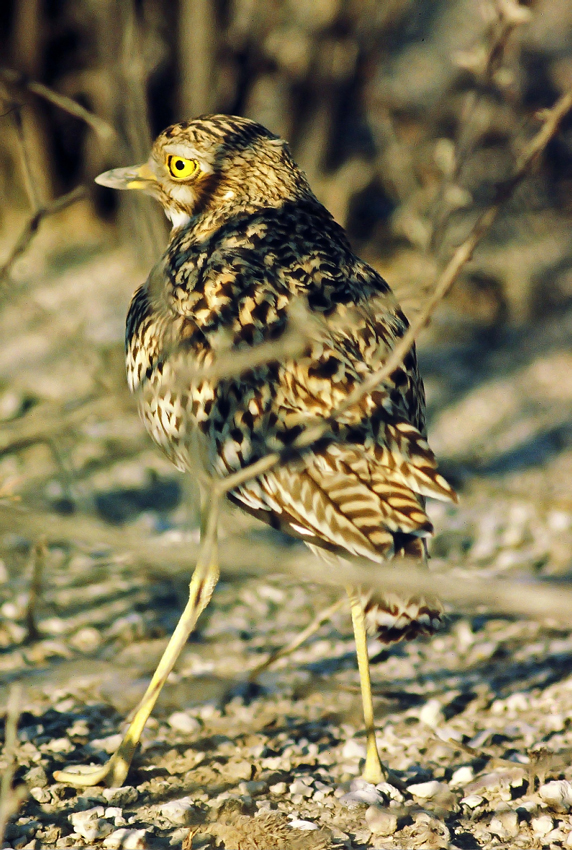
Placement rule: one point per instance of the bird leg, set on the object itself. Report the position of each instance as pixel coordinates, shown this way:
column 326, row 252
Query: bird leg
column 114, row 772
column 374, row 771
column 291, row 647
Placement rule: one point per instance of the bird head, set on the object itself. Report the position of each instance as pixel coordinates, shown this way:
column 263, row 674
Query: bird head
column 214, row 163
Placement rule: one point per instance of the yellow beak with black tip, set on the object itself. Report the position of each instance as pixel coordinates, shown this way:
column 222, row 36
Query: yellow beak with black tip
column 132, row 177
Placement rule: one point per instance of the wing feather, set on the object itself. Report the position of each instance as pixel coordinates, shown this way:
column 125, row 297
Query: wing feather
column 368, row 484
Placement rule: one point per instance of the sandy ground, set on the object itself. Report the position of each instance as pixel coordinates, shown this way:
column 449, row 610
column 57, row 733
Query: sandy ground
column 474, row 724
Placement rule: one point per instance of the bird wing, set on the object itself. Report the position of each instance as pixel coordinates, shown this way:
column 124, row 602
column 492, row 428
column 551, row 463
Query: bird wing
column 363, row 490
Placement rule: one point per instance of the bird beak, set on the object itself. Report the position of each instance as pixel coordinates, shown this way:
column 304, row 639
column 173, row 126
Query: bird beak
column 133, row 177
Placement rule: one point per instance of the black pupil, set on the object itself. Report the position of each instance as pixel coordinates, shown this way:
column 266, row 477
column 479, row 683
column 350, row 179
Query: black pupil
column 179, row 165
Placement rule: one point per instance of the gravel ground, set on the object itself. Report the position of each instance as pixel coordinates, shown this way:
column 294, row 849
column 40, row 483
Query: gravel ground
column 474, row 724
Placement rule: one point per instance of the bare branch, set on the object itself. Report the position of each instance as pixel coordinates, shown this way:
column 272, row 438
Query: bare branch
column 25, row 156
column 463, row 253
column 38, row 560
column 242, row 555
column 101, row 127
column 33, row 224
column 47, row 421
column 320, row 618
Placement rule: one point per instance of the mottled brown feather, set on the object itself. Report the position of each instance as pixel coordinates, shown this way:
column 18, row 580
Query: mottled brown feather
column 255, row 242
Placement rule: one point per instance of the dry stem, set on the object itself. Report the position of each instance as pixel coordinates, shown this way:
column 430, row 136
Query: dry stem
column 38, row 560
column 101, row 127
column 32, row 226
column 241, row 555
column 25, row 156
column 47, row 421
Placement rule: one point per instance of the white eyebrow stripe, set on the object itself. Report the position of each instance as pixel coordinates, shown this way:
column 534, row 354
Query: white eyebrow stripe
column 181, row 149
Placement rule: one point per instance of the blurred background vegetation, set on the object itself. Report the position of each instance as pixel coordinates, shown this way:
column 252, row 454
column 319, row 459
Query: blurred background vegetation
column 403, row 113
column 406, row 115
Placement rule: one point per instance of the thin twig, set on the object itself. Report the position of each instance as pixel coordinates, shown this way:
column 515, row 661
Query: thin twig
column 499, row 36
column 38, row 560
column 243, row 555
column 301, row 637
column 302, row 327
column 16, row 78
column 33, row 224
column 10, row 798
column 48, row 420
column 25, row 156
column 463, row 253
column 135, row 121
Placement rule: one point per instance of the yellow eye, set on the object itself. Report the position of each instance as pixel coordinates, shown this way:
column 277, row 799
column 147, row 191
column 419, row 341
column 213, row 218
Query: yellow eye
column 181, row 168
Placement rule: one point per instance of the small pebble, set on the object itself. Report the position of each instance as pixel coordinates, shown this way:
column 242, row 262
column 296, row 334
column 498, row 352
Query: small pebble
column 36, row 777
column 86, row 639
column 253, row 788
column 300, row 787
column 361, row 793
column 542, row 825
column 124, row 796
column 41, row 795
column 178, row 811
column 126, row 839
column 90, row 824
column 529, row 806
column 271, row 762
column 504, row 825
column 462, row 776
column 278, row 788
column 390, row 791
column 115, row 814
column 238, row 770
column 296, row 823
column 381, row 822
column 472, row 801
column 321, row 795
column 431, row 714
column 59, row 745
column 557, row 794
column 183, row 722
column 108, row 745
column 353, row 749
column 427, row 790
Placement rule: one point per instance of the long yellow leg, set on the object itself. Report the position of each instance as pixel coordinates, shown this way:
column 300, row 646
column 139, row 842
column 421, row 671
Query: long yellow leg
column 374, row 771
column 205, row 577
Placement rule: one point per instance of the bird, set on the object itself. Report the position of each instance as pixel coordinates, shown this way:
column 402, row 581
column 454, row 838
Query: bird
column 252, row 256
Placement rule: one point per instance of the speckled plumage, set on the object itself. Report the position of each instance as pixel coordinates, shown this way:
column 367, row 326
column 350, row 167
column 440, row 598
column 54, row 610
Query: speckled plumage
column 249, row 241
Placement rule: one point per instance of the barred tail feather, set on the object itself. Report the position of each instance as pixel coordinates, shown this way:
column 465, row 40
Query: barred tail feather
column 391, row 618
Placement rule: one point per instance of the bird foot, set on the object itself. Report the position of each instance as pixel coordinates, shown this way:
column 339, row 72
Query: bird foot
column 374, row 771
column 113, row 773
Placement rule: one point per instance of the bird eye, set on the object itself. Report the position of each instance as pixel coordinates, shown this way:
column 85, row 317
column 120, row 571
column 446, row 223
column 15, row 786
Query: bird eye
column 181, row 168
